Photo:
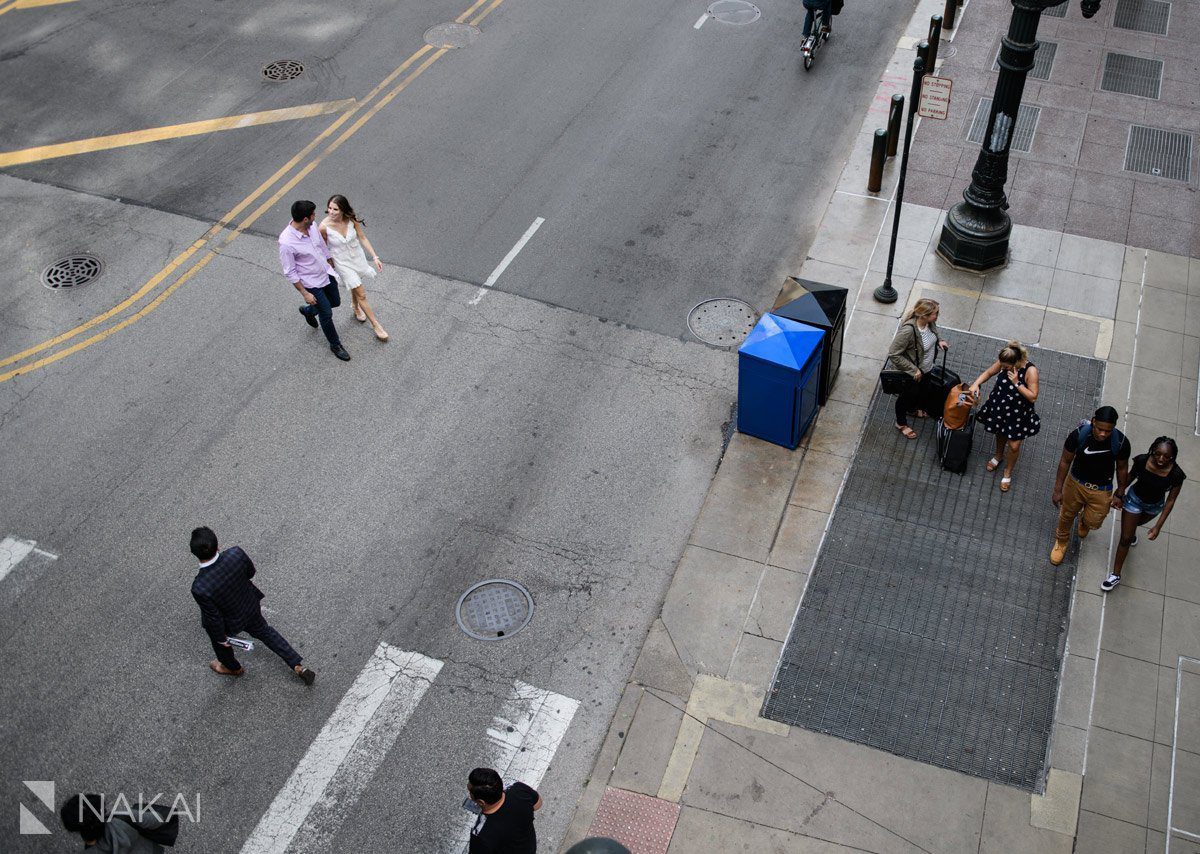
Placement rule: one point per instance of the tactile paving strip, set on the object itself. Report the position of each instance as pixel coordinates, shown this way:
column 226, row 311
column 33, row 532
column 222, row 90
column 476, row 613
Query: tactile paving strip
column 933, row 626
column 641, row 823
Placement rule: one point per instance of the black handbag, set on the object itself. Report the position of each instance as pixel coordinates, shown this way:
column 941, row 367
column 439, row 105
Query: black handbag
column 894, row 380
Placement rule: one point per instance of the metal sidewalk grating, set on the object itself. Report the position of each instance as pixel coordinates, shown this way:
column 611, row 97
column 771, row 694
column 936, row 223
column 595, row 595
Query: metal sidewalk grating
column 933, row 625
column 1043, row 61
column 1143, row 16
column 1157, row 152
column 1132, row 75
column 1059, row 11
column 1022, row 139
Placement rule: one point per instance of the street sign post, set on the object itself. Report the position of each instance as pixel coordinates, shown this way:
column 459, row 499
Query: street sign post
column 935, row 97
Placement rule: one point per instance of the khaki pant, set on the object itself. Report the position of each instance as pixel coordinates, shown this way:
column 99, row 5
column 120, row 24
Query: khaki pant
column 1094, row 504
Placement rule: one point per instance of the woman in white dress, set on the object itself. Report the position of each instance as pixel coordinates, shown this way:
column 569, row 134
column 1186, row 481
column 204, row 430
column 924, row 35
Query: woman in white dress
column 345, row 235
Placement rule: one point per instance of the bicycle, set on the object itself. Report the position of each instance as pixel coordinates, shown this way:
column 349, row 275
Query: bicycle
column 820, row 35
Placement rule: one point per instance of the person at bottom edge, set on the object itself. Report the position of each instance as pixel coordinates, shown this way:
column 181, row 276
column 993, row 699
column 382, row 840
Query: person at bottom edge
column 81, row 814
column 230, row 603
column 505, row 821
column 1154, row 484
column 1083, row 487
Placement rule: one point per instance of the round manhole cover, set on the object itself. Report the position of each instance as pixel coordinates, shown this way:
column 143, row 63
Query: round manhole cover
column 283, row 69
column 72, row 271
column 949, row 52
column 734, row 12
column 451, row 35
column 493, row 610
column 722, row 322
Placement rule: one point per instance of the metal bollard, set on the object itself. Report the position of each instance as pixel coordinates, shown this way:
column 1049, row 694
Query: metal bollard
column 935, row 38
column 949, row 13
column 878, row 156
column 895, row 114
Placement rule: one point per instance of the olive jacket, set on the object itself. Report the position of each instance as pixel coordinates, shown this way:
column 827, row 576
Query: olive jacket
column 906, row 351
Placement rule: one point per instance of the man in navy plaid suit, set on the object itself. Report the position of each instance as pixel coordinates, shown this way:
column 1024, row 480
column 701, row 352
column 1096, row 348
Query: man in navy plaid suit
column 229, row 603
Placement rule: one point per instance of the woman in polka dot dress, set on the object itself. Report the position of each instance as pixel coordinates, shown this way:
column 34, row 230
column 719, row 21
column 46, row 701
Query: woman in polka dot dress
column 1009, row 414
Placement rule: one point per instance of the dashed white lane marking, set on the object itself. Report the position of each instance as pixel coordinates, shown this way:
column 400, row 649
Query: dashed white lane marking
column 508, row 259
column 521, row 743
column 12, row 552
column 346, row 752
column 700, row 23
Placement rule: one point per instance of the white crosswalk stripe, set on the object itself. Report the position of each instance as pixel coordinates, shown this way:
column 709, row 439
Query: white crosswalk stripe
column 13, row 551
column 346, row 752
column 522, row 741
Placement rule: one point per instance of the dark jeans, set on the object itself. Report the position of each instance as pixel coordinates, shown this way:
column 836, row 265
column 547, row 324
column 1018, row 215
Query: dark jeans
column 328, row 298
column 911, row 398
column 826, row 9
column 274, row 641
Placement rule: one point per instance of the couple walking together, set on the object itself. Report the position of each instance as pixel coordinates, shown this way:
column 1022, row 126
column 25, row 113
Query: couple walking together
column 315, row 257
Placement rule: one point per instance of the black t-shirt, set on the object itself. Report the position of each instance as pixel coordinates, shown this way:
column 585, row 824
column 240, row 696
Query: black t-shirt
column 1094, row 462
column 509, row 830
column 1153, row 488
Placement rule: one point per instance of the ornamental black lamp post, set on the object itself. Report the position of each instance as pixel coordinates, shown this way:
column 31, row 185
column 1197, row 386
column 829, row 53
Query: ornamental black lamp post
column 975, row 236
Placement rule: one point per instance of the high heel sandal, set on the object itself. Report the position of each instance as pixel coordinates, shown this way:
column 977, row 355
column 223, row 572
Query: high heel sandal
column 380, row 333
column 1005, row 484
column 993, row 464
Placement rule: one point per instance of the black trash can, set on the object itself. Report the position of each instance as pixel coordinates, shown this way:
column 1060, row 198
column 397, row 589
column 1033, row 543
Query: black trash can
column 822, row 306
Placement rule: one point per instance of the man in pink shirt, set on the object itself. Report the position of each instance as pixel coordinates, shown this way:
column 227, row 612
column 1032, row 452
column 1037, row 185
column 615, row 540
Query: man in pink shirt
column 308, row 266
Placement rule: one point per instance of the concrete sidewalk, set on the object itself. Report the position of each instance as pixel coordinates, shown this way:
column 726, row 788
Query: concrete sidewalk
column 689, row 765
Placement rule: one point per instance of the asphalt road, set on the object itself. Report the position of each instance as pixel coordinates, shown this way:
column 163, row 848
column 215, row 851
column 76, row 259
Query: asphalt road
column 560, row 431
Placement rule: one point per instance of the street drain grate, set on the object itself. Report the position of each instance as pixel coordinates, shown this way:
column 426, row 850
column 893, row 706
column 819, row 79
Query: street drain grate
column 452, row 35
column 72, row 271
column 1144, row 16
column 722, row 322
column 1161, row 153
column 1043, row 60
column 1059, row 11
column 283, row 69
column 734, row 12
column 494, row 609
column 1022, row 138
column 1132, row 75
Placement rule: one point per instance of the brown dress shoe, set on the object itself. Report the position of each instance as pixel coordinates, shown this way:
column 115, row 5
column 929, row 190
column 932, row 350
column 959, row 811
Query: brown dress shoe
column 306, row 675
column 217, row 667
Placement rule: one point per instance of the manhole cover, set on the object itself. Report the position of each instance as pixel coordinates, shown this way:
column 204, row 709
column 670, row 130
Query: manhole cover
column 949, row 52
column 495, row 609
column 283, row 69
column 722, row 322
column 451, row 35
column 734, row 12
column 72, row 271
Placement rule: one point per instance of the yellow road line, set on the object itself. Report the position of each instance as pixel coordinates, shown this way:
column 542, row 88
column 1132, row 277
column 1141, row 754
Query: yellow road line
column 8, row 7
column 227, row 220
column 141, row 137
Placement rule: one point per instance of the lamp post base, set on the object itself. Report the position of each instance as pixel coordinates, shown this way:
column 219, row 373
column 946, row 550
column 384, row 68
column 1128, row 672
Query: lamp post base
column 975, row 238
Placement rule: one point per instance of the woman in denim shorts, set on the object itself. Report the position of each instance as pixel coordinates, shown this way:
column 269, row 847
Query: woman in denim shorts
column 1154, row 483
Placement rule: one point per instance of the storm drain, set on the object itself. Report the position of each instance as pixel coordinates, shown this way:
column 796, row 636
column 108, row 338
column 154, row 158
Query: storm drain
column 72, row 271
column 494, row 609
column 933, row 625
column 1132, row 75
column 722, row 322
column 451, row 35
column 283, row 69
column 1144, row 16
column 1161, row 153
column 734, row 12
column 1043, row 60
column 1059, row 11
column 1022, row 138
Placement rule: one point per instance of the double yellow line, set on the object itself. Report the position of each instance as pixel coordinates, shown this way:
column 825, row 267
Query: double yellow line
column 28, row 4
column 311, row 156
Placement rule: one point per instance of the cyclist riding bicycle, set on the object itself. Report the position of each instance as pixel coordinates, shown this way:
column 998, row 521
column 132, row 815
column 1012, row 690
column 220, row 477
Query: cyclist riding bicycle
column 825, row 7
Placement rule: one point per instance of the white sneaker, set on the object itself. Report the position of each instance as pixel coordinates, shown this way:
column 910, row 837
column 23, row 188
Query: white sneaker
column 1110, row 582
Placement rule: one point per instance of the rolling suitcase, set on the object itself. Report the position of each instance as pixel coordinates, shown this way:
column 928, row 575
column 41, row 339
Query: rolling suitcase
column 939, row 382
column 954, row 446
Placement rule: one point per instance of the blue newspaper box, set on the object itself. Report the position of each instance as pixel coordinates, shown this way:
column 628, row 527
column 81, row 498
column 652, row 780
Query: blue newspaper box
column 779, row 380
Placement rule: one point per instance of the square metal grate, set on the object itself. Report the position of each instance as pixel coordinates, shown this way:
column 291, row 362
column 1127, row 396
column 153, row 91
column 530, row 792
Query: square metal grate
column 933, row 625
column 1059, row 11
column 1022, row 139
column 1043, row 60
column 1132, row 75
column 1161, row 153
column 1145, row 16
